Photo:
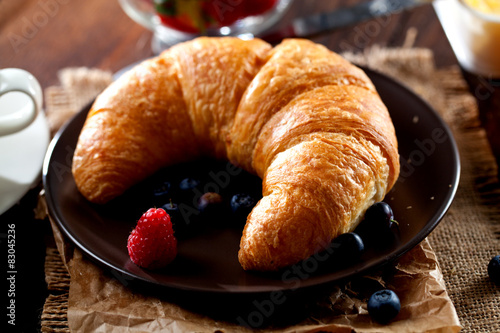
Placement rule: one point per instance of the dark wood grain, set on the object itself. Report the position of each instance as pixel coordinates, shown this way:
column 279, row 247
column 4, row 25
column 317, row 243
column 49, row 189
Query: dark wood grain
column 44, row 36
column 70, row 34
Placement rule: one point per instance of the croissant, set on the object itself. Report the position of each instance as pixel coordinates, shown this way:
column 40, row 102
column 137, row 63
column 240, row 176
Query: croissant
column 298, row 115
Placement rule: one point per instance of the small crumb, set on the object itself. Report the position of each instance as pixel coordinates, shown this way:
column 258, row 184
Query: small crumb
column 392, row 198
column 415, row 119
column 432, row 198
column 449, row 186
column 409, row 207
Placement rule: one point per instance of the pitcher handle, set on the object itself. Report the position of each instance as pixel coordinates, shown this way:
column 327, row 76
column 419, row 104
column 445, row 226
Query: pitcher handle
column 15, row 79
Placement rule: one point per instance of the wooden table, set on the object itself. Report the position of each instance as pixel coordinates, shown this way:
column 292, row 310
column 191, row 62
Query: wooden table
column 44, row 36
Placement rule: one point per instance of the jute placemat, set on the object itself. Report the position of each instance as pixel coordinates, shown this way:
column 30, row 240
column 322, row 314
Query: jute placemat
column 463, row 242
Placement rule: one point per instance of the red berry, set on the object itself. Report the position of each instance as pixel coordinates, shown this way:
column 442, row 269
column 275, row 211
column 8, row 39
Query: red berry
column 257, row 7
column 182, row 23
column 152, row 243
column 225, row 12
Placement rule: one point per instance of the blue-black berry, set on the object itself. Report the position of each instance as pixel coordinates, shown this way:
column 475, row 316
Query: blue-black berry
column 161, row 189
column 381, row 215
column 188, row 184
column 170, row 207
column 173, row 210
column 210, row 201
column 242, row 203
column 378, row 227
column 347, row 247
column 161, row 192
column 383, row 306
column 494, row 269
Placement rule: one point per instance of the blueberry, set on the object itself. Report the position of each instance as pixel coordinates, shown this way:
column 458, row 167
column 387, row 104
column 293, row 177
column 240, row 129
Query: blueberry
column 378, row 226
column 242, row 204
column 494, row 269
column 209, row 201
column 178, row 222
column 188, row 184
column 347, row 247
column 170, row 207
column 380, row 213
column 173, row 210
column 161, row 189
column 383, row 306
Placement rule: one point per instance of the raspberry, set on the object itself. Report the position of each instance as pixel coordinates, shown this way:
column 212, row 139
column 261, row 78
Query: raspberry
column 152, row 243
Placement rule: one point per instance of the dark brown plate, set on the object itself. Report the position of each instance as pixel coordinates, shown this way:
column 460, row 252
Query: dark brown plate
column 207, row 261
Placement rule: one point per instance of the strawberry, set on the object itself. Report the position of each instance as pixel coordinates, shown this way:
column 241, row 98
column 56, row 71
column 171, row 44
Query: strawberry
column 152, row 243
column 257, row 7
column 225, row 12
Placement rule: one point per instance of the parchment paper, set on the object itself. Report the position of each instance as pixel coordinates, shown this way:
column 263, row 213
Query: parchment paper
column 100, row 301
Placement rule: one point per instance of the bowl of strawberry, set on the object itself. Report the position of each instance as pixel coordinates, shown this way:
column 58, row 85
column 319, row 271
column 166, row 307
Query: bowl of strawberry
column 174, row 21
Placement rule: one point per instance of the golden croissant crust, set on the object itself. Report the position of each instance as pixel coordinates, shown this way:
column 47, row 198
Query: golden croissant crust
column 298, row 115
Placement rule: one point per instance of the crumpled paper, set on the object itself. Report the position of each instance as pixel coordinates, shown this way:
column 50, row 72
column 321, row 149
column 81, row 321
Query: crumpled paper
column 103, row 301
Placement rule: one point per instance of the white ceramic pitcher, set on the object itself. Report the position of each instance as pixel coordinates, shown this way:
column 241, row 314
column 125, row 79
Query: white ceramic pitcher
column 24, row 135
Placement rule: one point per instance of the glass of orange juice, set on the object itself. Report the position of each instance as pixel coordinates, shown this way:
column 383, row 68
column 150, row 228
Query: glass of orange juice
column 473, row 30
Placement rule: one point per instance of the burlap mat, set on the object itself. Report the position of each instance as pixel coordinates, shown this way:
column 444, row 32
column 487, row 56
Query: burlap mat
column 463, row 242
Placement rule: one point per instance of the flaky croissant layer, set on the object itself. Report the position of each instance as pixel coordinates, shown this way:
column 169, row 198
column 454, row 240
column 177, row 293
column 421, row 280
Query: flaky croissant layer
column 301, row 117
